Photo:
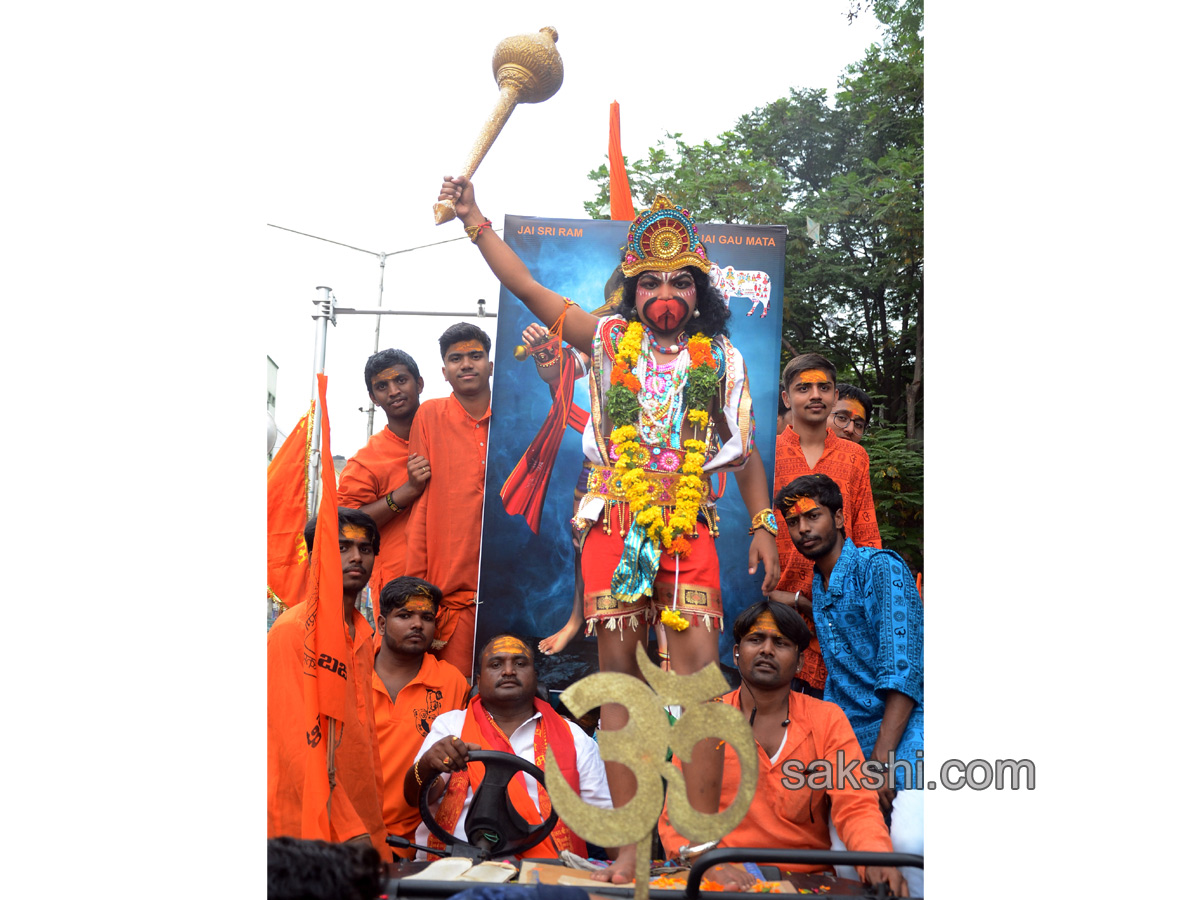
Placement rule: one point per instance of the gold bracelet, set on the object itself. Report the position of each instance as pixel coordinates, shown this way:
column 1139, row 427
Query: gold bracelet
column 764, row 519
column 473, row 230
column 417, row 772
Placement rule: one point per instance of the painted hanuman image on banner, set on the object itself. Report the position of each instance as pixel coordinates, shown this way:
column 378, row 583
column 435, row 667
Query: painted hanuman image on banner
column 541, row 416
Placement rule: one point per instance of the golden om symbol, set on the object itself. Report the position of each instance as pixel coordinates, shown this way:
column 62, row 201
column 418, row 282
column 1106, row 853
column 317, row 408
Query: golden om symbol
column 642, row 746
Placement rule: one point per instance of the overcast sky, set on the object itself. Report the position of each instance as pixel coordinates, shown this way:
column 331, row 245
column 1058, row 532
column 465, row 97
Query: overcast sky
column 368, row 113
column 147, row 144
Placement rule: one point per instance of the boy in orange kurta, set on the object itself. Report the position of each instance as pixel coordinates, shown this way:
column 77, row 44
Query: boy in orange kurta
column 383, row 478
column 354, row 808
column 411, row 689
column 806, row 446
column 451, row 434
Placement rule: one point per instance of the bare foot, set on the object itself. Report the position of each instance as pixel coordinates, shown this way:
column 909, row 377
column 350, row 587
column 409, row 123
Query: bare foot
column 621, row 869
column 562, row 637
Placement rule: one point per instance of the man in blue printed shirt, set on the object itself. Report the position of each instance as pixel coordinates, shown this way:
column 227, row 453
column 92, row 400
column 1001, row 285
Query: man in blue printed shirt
column 869, row 621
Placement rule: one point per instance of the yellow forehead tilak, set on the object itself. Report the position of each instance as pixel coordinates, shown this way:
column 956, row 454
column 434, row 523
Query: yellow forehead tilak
column 856, row 408
column 354, row 533
column 466, row 347
column 387, row 374
column 765, row 623
column 814, row 376
column 510, row 645
column 801, row 506
column 419, row 604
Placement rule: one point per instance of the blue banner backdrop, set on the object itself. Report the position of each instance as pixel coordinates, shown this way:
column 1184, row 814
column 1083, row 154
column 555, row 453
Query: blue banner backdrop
column 527, row 580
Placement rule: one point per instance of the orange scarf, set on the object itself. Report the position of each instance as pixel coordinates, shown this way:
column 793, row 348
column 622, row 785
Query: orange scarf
column 479, row 728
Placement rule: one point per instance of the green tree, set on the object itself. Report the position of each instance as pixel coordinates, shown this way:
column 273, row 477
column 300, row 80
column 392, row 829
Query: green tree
column 719, row 182
column 856, row 169
column 854, row 290
column 897, row 485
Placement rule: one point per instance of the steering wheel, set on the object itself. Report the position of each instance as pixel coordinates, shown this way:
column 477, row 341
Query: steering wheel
column 494, row 828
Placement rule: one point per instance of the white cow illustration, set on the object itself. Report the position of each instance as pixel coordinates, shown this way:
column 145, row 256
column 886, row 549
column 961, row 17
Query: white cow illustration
column 753, row 285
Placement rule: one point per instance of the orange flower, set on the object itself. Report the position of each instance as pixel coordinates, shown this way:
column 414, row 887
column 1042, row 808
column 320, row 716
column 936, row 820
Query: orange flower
column 700, row 351
column 680, row 546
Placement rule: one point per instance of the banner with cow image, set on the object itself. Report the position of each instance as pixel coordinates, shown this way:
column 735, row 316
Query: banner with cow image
column 527, row 571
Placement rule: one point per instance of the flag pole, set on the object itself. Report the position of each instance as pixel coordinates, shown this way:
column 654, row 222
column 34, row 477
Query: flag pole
column 323, row 316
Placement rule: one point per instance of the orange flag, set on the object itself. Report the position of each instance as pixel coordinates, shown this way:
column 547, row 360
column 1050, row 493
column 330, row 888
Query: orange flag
column 326, row 648
column 620, row 201
column 287, row 490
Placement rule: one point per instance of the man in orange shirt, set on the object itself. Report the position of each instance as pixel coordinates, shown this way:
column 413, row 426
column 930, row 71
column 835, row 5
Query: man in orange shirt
column 354, row 808
column 806, row 446
column 411, row 689
column 451, row 435
column 383, row 479
column 798, row 740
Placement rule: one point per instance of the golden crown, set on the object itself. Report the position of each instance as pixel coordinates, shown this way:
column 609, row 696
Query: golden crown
column 663, row 238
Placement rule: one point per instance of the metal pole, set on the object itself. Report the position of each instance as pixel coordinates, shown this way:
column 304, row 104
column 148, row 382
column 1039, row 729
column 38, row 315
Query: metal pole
column 382, row 263
column 479, row 312
column 323, row 316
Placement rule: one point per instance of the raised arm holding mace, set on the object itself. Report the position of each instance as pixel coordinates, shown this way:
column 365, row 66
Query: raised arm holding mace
column 528, row 69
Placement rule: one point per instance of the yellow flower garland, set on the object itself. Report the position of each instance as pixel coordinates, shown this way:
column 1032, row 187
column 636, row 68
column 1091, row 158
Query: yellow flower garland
column 632, row 457
column 672, row 619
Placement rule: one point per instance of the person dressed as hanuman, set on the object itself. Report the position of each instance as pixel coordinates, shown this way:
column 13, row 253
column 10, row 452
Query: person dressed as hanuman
column 670, row 407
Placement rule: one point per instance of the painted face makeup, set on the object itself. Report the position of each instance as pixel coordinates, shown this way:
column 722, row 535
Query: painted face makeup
column 665, row 300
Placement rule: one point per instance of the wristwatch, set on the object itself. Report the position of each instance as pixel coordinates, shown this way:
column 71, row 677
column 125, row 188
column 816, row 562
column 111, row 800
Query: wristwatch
column 764, row 519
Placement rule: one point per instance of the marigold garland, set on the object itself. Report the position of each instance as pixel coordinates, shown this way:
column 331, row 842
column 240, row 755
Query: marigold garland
column 624, row 408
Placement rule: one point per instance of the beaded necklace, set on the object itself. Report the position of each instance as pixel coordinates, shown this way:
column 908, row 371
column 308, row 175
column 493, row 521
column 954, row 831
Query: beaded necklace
column 661, row 398
column 673, row 348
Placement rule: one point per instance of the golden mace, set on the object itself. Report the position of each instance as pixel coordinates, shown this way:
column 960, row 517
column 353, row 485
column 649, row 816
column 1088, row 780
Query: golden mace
column 527, row 69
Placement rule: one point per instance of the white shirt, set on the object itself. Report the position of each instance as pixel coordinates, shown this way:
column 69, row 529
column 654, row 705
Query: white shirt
column 593, row 782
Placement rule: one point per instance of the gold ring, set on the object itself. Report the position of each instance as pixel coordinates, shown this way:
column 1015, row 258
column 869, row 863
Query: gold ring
column 446, row 761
